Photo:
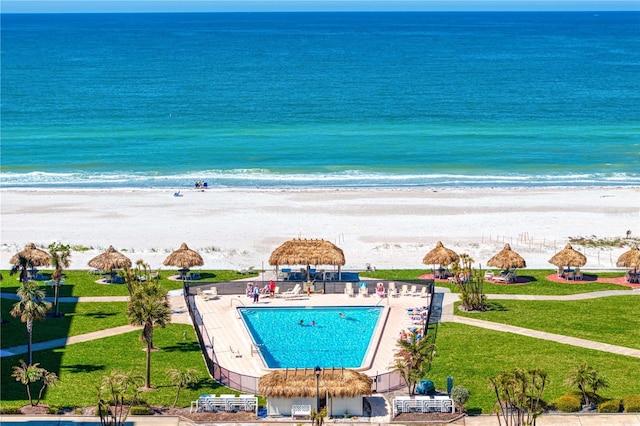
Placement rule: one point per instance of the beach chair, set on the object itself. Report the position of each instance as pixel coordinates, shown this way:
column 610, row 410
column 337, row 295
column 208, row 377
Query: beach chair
column 404, row 290
column 293, row 293
column 414, row 290
column 276, row 292
column 348, row 289
column 392, row 291
column 363, row 291
column 578, row 274
column 423, row 292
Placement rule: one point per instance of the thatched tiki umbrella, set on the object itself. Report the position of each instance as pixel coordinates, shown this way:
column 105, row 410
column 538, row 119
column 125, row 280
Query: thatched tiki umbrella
column 507, row 259
column 568, row 257
column 33, row 256
column 307, row 252
column 630, row 259
column 440, row 256
column 184, row 258
column 344, row 387
column 110, row 260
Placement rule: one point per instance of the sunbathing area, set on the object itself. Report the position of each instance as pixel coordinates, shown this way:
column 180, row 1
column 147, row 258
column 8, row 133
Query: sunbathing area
column 235, row 350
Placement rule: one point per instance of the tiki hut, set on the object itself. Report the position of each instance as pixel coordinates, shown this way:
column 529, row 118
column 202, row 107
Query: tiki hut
column 184, row 258
column 507, row 259
column 442, row 257
column 568, row 257
column 339, row 390
column 110, row 260
column 630, row 259
column 33, row 255
column 307, row 252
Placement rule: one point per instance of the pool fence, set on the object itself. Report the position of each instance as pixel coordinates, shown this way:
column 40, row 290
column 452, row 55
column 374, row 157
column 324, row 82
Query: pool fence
column 382, row 383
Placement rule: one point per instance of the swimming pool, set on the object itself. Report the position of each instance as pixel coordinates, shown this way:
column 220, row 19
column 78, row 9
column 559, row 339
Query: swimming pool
column 312, row 336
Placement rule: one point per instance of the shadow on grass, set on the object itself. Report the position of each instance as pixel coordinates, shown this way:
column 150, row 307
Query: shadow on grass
column 496, row 306
column 208, row 384
column 83, row 368
column 99, row 314
column 183, row 347
column 474, row 411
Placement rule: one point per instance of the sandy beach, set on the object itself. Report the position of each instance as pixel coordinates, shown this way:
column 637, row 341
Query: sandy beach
column 387, row 228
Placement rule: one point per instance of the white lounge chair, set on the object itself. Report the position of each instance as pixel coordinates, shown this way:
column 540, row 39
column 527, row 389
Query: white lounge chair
column 392, row 290
column 293, row 293
column 414, row 290
column 404, row 290
column 363, row 291
column 348, row 289
column 423, row 292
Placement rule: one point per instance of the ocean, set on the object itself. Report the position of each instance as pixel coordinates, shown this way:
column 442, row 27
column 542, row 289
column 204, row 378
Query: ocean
column 299, row 100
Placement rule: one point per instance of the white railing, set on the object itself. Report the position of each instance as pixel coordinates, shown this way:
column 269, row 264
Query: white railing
column 422, row 404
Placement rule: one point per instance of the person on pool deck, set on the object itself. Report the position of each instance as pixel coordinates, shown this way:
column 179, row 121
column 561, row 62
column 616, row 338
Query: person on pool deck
column 256, row 294
column 272, row 288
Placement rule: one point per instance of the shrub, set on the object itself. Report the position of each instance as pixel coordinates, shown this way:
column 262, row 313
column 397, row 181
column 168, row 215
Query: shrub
column 53, row 410
column 631, row 403
column 10, row 410
column 610, row 406
column 460, row 396
column 140, row 410
column 568, row 403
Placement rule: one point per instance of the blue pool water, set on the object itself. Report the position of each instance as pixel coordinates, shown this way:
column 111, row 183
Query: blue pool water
column 333, row 341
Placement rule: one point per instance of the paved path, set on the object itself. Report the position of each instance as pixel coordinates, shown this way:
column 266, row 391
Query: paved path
column 179, row 315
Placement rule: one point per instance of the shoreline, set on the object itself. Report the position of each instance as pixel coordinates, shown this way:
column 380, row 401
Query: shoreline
column 389, row 228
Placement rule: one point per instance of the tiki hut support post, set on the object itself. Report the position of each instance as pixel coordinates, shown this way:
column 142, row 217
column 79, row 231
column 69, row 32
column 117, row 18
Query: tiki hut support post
column 317, row 372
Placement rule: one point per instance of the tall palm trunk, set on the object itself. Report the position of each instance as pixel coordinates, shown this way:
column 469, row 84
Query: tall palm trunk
column 29, row 336
column 148, row 374
column 56, row 290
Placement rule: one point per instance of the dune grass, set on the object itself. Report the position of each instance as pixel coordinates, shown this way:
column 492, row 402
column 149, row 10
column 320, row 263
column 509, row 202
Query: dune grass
column 472, row 355
column 538, row 283
column 81, row 367
column 613, row 320
column 79, row 318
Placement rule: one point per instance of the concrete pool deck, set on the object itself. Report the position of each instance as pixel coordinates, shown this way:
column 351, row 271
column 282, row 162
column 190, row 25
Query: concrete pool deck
column 234, row 345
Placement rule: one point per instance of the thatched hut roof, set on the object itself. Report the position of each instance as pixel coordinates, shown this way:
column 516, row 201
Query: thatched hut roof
column 507, row 259
column 110, row 259
column 184, row 257
column 302, row 383
column 568, row 257
column 307, row 252
column 34, row 255
column 440, row 255
column 629, row 259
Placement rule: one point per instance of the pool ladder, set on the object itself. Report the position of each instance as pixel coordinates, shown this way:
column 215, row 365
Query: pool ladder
column 256, row 348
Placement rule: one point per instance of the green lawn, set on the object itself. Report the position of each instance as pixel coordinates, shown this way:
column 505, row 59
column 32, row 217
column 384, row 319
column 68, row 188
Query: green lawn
column 78, row 319
column 471, row 355
column 614, row 320
column 81, row 368
column 538, row 284
column 83, row 283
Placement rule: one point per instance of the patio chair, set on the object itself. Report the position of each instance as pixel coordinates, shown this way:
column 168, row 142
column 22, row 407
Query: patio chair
column 392, row 291
column 363, row 290
column 348, row 289
column 423, row 292
column 414, row 290
column 404, row 290
column 293, row 293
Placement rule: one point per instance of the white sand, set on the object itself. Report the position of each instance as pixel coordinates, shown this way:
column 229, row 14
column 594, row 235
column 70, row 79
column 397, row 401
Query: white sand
column 388, row 228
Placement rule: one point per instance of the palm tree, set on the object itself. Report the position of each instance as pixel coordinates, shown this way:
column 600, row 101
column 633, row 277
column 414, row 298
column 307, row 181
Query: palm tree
column 182, row 379
column 586, row 378
column 412, row 360
column 60, row 259
column 148, row 307
column 30, row 307
column 27, row 374
column 22, row 265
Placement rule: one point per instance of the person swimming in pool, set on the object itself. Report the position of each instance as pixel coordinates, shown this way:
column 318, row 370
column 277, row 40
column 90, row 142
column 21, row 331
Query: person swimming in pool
column 301, row 322
column 342, row 315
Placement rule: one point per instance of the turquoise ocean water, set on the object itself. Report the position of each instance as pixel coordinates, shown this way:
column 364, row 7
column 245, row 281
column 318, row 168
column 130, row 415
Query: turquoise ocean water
column 320, row 99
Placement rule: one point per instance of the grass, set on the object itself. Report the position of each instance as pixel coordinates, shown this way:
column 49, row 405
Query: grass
column 538, row 283
column 612, row 320
column 81, row 367
column 79, row 318
column 83, row 283
column 472, row 355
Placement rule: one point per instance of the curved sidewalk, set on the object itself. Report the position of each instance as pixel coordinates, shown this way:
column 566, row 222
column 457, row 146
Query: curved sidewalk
column 179, row 315
column 451, row 298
